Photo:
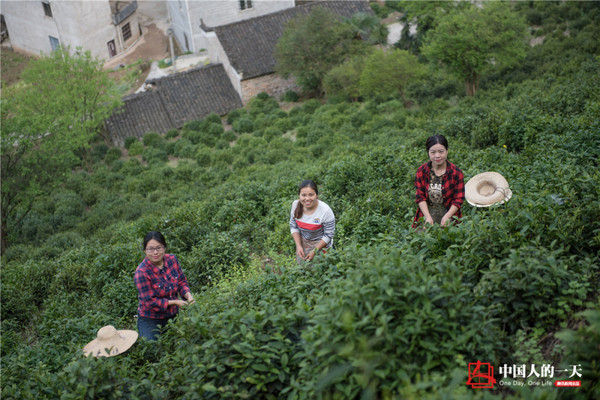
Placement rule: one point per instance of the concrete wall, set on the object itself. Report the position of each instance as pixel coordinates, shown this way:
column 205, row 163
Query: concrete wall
column 86, row 24
column 180, row 23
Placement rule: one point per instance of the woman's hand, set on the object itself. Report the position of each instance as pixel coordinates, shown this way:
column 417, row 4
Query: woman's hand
column 311, row 254
column 178, row 303
column 448, row 215
column 300, row 252
column 189, row 298
column 429, row 220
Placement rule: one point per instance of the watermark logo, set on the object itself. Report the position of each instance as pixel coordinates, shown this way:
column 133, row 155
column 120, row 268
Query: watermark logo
column 481, row 375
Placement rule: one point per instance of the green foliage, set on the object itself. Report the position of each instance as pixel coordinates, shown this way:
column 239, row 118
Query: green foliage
column 243, row 125
column 387, row 74
column 581, row 349
column 129, row 140
column 172, row 133
column 368, row 27
column 153, row 139
column 113, row 154
column 290, row 96
column 136, row 148
column 99, row 151
column 311, row 45
column 472, row 42
column 53, row 114
column 344, row 80
column 154, row 155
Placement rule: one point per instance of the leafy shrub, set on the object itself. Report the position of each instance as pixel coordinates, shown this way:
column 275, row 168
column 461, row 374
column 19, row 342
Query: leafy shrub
column 243, row 125
column 184, row 148
column 235, row 114
column 203, row 156
column 580, row 349
column 290, row 96
column 113, row 154
column 136, row 148
column 228, row 136
column 99, row 151
column 154, row 155
column 172, row 133
column 129, row 140
column 153, row 139
column 213, row 118
column 196, row 125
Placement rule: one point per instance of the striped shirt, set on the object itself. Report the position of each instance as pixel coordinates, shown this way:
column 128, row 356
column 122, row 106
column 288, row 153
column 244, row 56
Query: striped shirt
column 320, row 225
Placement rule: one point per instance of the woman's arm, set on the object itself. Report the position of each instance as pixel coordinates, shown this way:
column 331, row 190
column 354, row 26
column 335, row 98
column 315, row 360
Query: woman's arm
column 299, row 249
column 453, row 209
column 425, row 210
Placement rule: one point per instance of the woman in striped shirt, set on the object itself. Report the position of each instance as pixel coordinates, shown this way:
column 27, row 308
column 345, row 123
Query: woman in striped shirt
column 312, row 222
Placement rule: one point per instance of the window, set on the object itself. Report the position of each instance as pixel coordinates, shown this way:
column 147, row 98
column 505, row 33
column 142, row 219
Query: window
column 54, row 43
column 244, row 4
column 47, row 8
column 126, row 32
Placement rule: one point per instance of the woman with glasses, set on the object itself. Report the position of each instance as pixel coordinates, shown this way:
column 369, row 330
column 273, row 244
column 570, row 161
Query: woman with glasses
column 160, row 282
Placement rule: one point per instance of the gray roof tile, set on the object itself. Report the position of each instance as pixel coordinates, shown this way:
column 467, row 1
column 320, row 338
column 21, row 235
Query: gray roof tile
column 176, row 99
column 250, row 44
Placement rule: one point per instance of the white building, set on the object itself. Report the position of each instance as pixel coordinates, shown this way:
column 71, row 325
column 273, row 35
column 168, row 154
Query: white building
column 193, row 20
column 106, row 28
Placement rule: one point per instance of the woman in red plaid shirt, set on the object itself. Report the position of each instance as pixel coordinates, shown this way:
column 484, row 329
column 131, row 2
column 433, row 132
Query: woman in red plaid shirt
column 439, row 184
column 160, row 281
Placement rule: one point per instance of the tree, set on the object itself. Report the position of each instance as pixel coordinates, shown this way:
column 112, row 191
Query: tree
column 48, row 119
column 344, row 79
column 474, row 41
column 313, row 44
column 422, row 16
column 368, row 27
column 386, row 73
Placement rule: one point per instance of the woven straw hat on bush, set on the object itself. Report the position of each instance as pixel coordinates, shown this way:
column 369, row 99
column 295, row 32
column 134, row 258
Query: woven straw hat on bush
column 486, row 189
column 110, row 342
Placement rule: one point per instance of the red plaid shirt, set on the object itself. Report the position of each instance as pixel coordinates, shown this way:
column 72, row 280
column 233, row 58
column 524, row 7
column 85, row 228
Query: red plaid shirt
column 453, row 187
column 157, row 286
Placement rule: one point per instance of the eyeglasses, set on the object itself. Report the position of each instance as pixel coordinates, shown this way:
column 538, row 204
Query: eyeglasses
column 154, row 249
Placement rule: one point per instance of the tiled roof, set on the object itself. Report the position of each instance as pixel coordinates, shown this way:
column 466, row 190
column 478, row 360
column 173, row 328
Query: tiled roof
column 176, row 99
column 250, row 44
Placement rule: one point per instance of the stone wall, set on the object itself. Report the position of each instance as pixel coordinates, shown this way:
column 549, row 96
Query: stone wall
column 272, row 84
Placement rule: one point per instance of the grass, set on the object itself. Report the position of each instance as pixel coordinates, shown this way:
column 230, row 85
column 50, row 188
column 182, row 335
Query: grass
column 13, row 65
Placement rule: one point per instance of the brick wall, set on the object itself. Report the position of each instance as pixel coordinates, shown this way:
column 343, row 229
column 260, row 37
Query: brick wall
column 272, row 84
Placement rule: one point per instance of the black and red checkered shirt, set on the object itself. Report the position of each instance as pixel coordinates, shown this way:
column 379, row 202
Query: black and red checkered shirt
column 453, row 187
column 157, row 286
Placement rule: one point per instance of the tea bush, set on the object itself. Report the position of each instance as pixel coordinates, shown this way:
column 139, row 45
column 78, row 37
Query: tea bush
column 136, row 148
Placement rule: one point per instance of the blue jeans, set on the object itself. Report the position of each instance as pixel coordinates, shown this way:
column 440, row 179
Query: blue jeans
column 149, row 328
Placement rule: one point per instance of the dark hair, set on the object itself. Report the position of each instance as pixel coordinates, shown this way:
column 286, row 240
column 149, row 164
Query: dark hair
column 299, row 208
column 436, row 139
column 154, row 235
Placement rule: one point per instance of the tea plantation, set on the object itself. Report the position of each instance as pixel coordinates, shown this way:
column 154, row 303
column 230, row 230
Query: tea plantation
column 391, row 313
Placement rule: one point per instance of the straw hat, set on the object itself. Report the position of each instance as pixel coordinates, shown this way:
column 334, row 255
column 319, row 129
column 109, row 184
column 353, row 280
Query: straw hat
column 110, row 342
column 486, row 189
